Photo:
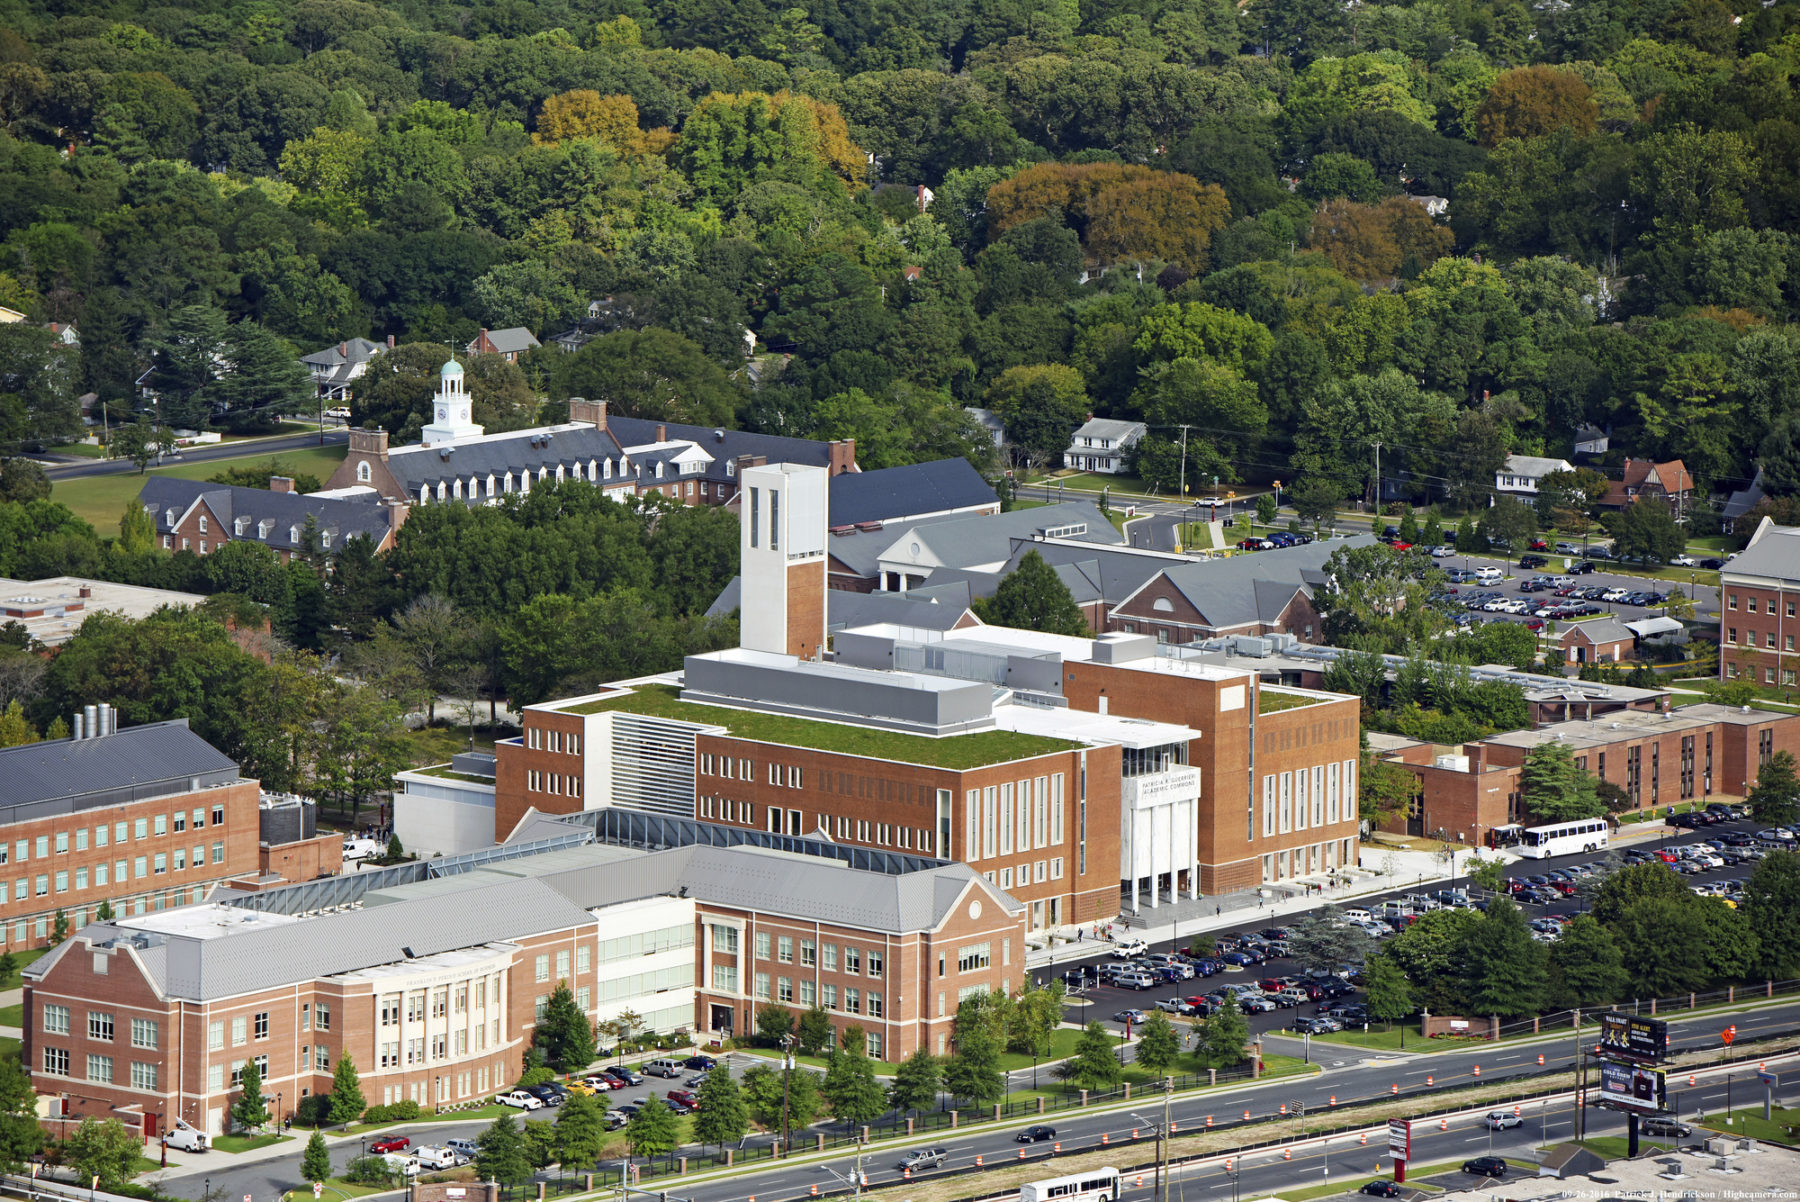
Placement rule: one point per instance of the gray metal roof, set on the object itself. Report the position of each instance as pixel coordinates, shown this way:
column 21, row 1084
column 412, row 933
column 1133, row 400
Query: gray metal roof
column 1108, row 428
column 519, row 452
column 510, row 341
column 1242, row 589
column 1743, row 500
column 939, row 609
column 1773, row 551
column 725, row 446
column 283, row 515
column 899, row 492
column 65, row 775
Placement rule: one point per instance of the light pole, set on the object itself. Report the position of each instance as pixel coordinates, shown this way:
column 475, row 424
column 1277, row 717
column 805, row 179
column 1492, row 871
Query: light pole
column 787, row 1068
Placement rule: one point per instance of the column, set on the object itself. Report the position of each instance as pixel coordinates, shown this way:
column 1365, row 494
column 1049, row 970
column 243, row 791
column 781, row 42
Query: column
column 1193, row 846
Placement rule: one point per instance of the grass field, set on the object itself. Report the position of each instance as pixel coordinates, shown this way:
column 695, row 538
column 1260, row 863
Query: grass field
column 1062, row 1046
column 1751, row 1123
column 491, row 1111
column 100, row 500
column 247, row 1143
column 21, row 960
column 12, row 1016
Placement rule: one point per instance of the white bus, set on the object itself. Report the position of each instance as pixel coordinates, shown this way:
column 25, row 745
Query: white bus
column 1102, row 1185
column 1564, row 838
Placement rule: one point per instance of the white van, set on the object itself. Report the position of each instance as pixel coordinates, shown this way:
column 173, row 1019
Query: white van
column 186, row 1138
column 1357, row 915
column 360, row 849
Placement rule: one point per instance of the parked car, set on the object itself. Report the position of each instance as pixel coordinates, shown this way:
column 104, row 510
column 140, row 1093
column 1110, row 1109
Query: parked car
column 1255, row 1003
column 1034, row 1135
column 391, row 1143
column 663, row 1068
column 683, row 1097
column 1485, row 1166
column 1663, row 1125
column 1131, row 949
column 699, row 1063
column 1381, row 1187
column 465, row 1149
column 406, row 1166
column 923, row 1158
column 1134, row 1017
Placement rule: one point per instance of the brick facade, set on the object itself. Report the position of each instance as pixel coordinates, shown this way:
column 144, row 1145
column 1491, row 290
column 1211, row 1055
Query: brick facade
column 1758, row 633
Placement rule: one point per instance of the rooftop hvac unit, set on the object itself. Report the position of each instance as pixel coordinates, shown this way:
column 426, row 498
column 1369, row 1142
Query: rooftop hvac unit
column 1252, row 646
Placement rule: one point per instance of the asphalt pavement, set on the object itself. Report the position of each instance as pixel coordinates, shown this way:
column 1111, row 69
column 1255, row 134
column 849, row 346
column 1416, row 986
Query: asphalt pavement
column 61, row 469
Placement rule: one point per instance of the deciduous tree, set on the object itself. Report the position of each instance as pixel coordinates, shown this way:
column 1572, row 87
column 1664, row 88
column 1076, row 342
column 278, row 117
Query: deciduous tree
column 1033, row 597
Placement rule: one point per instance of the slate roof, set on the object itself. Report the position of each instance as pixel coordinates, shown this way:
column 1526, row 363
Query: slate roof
column 1112, row 430
column 169, row 498
column 970, row 541
column 542, row 449
column 1602, row 630
column 1242, row 589
column 513, row 340
column 911, row 491
column 1743, row 500
column 336, row 368
column 725, row 446
column 157, row 759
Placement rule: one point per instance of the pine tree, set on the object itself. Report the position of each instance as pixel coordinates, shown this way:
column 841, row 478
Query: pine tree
column 564, row 1033
column 1158, row 1045
column 315, row 1163
column 347, row 1102
column 1094, row 1065
column 651, row 1131
column 251, row 1110
column 500, row 1152
column 59, row 927
column 851, row 1088
column 916, row 1082
column 723, row 1116
column 9, row 967
column 580, row 1131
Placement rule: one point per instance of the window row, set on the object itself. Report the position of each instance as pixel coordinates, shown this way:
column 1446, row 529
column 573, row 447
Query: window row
column 1013, row 816
column 539, row 739
column 42, row 847
column 855, row 961
column 556, row 784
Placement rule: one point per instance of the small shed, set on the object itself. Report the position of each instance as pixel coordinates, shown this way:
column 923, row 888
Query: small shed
column 1603, row 641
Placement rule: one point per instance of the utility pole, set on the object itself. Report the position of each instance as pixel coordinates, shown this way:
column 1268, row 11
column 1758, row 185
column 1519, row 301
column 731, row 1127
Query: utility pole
column 1184, row 431
column 787, row 1068
column 1162, row 1150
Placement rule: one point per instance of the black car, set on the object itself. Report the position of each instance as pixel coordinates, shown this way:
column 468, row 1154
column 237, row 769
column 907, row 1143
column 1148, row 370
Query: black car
column 1485, row 1166
column 1381, row 1187
column 1034, row 1135
column 1532, row 561
column 1712, row 564
column 699, row 1063
column 1582, row 568
column 550, row 1094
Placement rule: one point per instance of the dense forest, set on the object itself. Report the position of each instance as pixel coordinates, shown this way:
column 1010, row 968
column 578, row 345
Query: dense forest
column 1195, row 212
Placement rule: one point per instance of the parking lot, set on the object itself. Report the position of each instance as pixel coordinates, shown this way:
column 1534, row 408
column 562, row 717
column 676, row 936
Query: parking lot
column 1715, row 858
column 1589, row 587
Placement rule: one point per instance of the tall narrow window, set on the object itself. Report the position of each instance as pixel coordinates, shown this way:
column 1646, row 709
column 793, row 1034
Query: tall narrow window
column 774, row 520
column 755, row 514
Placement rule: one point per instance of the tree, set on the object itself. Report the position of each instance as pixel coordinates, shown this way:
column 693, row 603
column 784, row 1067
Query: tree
column 655, row 374
column 1390, row 993
column 347, row 1104
column 762, row 1088
column 1529, row 102
column 1554, row 788
column 20, row 1135
column 500, row 1153
column 315, row 1163
column 916, row 1082
column 581, row 1130
column 1316, row 499
column 1033, row 597
column 723, row 1116
column 59, row 927
column 251, row 1110
column 1222, row 1039
column 1775, row 797
column 564, row 1033
column 1095, row 1064
column 815, row 1030
column 1506, row 965
column 1587, row 967
column 105, row 1149
column 973, row 1070
column 774, row 1023
column 1327, row 940
column 850, row 1085
column 1646, row 530
column 651, row 1131
column 1042, row 406
column 1158, row 1045
column 1772, row 907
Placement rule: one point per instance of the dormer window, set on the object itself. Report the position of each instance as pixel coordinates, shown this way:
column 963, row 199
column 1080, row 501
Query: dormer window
column 506, row 483
column 456, row 490
column 593, row 470
column 607, row 468
column 441, row 491
column 238, row 526
column 659, row 469
column 424, row 493
column 730, row 467
column 325, row 540
column 263, row 527
column 294, row 535
column 168, row 517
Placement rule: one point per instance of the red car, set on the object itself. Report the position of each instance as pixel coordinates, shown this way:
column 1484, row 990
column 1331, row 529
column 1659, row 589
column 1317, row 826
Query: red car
column 393, row 1143
column 684, row 1097
column 1538, row 544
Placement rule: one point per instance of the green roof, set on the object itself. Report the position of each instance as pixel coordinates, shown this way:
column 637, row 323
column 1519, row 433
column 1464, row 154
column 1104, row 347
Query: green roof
column 975, row 750
column 448, row 773
column 1273, row 701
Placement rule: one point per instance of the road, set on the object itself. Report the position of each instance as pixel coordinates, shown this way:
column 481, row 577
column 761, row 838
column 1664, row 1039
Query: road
column 62, row 470
column 1350, row 1073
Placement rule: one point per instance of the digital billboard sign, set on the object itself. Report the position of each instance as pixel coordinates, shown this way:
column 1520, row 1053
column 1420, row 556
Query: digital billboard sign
column 1632, row 1087
column 1629, row 1037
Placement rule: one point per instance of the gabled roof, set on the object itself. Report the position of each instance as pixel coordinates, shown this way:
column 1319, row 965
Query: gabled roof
column 725, row 446
column 511, row 341
column 1773, row 551
column 1672, row 476
column 1113, row 431
column 168, row 500
column 1535, row 467
column 1646, row 628
column 153, row 760
column 1244, row 589
column 518, row 451
column 918, row 489
column 961, row 541
column 1743, row 500
column 338, row 354
column 1601, row 630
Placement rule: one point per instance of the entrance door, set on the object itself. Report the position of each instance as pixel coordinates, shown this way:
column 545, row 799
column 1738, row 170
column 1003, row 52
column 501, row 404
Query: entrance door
column 721, row 1019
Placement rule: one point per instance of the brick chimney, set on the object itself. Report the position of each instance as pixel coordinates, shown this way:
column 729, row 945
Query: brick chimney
column 281, row 484
column 390, row 342
column 662, row 432
column 841, row 456
column 592, row 412
column 344, row 349
column 482, row 343
column 397, row 514
column 369, row 442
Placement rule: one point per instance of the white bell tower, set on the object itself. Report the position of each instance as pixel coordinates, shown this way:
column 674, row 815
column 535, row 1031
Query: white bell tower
column 452, row 412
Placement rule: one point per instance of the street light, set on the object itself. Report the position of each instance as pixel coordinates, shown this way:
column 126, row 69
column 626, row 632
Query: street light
column 787, row 1068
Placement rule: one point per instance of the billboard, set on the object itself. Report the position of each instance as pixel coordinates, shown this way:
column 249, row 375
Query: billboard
column 1400, row 1139
column 1632, row 1087
column 1628, row 1037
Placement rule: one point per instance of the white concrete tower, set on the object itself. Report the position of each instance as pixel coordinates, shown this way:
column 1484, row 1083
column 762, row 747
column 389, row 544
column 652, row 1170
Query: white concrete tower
column 452, row 412
column 782, row 507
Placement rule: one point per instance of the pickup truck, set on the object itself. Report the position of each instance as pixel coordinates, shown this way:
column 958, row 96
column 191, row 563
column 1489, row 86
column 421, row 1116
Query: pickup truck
column 924, row 1158
column 1130, row 947
column 435, row 1156
column 521, row 1099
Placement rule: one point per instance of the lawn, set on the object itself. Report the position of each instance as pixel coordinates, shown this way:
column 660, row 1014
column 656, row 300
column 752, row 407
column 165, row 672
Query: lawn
column 100, row 500
column 801, row 1060
column 959, row 751
column 1273, row 701
column 22, row 960
column 247, row 1143
column 12, row 1016
column 85, row 450
column 1614, row 1147
column 436, row 744
column 1062, row 1046
column 1196, row 536
column 1751, row 1123
column 1386, row 1040
column 491, row 1111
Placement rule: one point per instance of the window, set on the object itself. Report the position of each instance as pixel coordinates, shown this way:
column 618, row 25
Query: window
column 724, row 977
column 808, row 994
column 143, row 1076
column 218, row 816
column 973, row 957
column 543, row 968
column 262, row 1024
column 784, row 989
column 240, row 1028
column 874, row 969
column 852, row 1001
column 873, row 1004
column 762, row 986
column 809, row 954
column 100, row 1025
column 56, row 1061
column 852, row 960
column 1731, row 601
column 100, row 1068
column 785, row 949
column 322, row 1057
column 215, row 1035
column 218, row 853
column 56, row 1020
column 322, row 1016
column 830, row 951
column 828, row 996
column 724, row 939
column 762, row 945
